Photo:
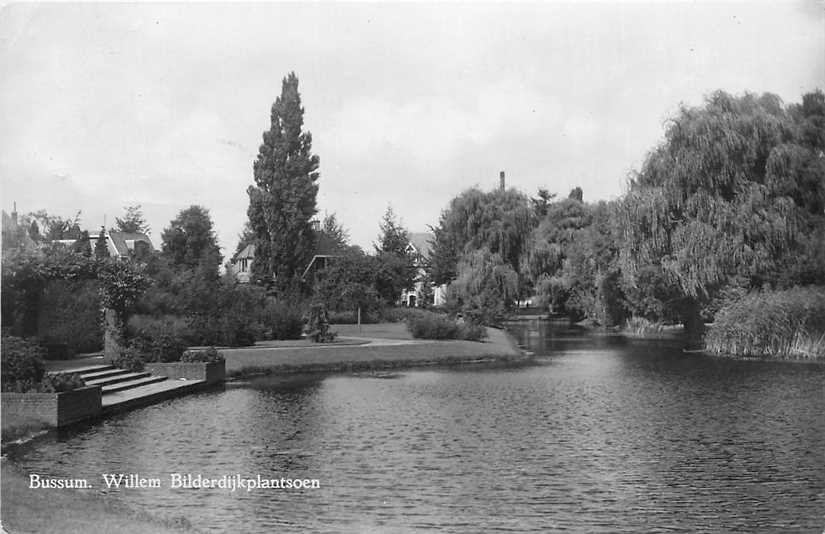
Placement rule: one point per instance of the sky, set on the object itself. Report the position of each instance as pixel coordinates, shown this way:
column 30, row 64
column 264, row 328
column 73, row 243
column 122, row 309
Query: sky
column 163, row 105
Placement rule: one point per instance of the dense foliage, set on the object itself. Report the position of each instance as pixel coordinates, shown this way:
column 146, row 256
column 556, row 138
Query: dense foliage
column 485, row 289
column 207, row 355
column 282, row 201
column 429, row 325
column 780, row 324
column 22, row 364
column 190, row 241
column 733, row 198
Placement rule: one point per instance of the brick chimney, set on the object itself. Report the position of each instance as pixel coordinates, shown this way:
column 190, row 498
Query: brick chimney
column 501, row 180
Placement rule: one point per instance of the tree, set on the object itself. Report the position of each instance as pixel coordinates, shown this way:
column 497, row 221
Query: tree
column 333, row 238
column 395, row 267
column 577, row 194
column 541, row 202
column 348, row 284
column 282, row 201
column 101, row 247
column 499, row 221
column 133, row 221
column 56, row 228
column 731, row 198
column 83, row 245
column 394, row 238
column 485, row 288
column 189, row 241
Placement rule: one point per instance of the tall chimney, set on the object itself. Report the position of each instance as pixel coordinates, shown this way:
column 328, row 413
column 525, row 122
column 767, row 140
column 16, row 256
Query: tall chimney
column 501, row 180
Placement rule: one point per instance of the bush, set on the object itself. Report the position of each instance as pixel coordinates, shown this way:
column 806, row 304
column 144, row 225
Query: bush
column 428, row 325
column 778, row 324
column 59, row 382
column 282, row 321
column 130, row 359
column 69, row 315
column 399, row 314
column 22, row 364
column 208, row 355
column 158, row 340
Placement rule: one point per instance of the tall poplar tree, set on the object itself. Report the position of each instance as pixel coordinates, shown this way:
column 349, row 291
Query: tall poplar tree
column 282, row 201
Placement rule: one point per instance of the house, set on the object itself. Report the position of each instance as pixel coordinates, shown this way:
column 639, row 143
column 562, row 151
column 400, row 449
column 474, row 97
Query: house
column 420, row 247
column 240, row 265
column 317, row 263
column 123, row 245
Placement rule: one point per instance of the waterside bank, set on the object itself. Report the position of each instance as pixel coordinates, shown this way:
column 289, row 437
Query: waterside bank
column 386, row 346
column 48, row 511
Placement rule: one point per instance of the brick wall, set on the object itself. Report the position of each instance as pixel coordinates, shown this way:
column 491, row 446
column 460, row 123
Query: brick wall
column 53, row 409
column 212, row 373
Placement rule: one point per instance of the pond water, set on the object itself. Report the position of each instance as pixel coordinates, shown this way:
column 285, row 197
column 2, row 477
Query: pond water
column 600, row 434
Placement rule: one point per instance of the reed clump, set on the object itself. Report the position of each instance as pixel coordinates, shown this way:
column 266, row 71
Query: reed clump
column 787, row 324
column 641, row 327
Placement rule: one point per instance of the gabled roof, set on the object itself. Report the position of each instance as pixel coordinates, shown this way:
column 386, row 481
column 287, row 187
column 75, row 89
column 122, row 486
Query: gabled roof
column 248, row 253
column 422, row 242
column 124, row 242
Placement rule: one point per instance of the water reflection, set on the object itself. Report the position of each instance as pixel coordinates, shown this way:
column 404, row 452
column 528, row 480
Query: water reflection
column 602, row 434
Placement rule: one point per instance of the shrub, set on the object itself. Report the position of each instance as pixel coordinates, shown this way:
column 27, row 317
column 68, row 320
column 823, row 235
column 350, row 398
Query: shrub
column 208, row 355
column 317, row 327
column 59, row 382
column 399, row 314
column 428, row 325
column 69, row 315
column 22, row 364
column 778, row 324
column 130, row 359
column 158, row 340
column 282, row 321
column 473, row 332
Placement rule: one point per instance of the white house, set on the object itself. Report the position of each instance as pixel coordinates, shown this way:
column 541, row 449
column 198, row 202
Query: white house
column 241, row 265
column 420, row 247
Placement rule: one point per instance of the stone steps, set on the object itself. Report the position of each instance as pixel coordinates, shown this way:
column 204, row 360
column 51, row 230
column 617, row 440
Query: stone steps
column 130, row 384
column 126, row 399
column 122, row 376
column 85, row 370
column 105, row 373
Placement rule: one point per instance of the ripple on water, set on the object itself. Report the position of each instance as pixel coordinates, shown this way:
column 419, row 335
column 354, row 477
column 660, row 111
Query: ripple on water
column 604, row 436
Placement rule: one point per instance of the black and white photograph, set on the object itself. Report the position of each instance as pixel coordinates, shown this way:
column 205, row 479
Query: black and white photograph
column 409, row 267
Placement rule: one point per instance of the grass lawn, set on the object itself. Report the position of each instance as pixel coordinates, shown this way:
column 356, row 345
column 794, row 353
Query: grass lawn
column 67, row 510
column 379, row 330
column 405, row 352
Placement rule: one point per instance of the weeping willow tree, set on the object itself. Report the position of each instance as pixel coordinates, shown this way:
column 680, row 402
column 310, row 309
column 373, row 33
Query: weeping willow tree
column 485, row 288
column 733, row 197
column 497, row 221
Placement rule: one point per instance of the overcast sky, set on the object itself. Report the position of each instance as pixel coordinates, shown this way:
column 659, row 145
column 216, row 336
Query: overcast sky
column 107, row 105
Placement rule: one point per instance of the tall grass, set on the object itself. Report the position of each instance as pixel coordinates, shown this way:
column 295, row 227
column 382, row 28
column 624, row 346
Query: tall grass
column 641, row 327
column 787, row 324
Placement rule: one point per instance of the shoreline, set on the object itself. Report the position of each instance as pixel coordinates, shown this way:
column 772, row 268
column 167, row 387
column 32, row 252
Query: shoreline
column 385, row 346
column 57, row 510
column 389, row 347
